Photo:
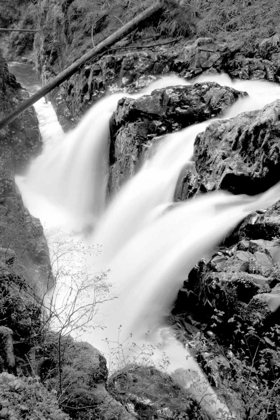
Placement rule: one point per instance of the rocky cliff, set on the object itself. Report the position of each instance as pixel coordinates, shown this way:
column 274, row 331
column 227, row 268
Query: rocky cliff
column 25, row 270
column 228, row 309
column 21, row 232
column 191, row 38
column 233, row 297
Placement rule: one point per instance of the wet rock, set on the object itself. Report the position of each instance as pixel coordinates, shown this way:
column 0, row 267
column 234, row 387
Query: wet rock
column 234, row 295
column 137, row 121
column 149, row 393
column 23, row 243
column 270, row 300
column 232, row 285
column 240, row 155
column 261, row 226
column 21, row 233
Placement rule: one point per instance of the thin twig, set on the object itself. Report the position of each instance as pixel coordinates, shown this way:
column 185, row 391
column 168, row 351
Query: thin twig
column 145, row 46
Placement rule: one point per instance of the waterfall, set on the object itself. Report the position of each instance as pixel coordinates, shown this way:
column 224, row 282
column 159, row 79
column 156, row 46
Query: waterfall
column 148, row 244
column 72, row 171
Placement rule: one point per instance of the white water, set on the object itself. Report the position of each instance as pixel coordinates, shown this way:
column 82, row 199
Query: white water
column 148, row 247
column 72, row 173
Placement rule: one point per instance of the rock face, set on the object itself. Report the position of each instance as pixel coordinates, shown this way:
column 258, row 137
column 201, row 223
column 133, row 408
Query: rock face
column 131, row 68
column 137, row 121
column 20, row 141
column 23, row 233
column 25, row 270
column 233, row 296
column 235, row 59
column 240, row 155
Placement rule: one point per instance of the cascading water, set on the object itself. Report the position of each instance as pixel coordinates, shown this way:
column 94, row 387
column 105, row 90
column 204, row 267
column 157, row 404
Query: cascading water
column 73, row 173
column 148, row 244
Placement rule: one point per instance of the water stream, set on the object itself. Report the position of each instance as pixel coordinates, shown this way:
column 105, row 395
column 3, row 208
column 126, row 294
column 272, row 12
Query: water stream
column 144, row 245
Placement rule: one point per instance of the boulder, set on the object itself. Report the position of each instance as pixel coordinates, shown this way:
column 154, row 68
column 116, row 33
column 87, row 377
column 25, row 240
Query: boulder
column 137, row 122
column 260, row 225
column 240, row 155
column 149, row 393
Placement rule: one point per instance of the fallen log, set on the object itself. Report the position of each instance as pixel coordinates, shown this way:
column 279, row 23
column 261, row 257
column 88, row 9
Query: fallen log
column 69, row 71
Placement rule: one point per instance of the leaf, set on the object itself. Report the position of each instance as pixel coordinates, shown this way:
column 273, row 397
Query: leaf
column 269, row 342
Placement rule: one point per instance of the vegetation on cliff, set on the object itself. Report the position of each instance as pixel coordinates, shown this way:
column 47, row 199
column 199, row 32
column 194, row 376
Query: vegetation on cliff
column 19, row 14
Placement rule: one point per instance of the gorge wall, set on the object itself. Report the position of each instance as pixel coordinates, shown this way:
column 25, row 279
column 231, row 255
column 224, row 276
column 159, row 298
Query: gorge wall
column 25, row 269
column 20, row 232
column 161, row 47
column 228, row 309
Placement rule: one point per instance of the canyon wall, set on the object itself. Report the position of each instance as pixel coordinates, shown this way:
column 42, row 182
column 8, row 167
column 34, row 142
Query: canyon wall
column 20, row 232
column 228, row 309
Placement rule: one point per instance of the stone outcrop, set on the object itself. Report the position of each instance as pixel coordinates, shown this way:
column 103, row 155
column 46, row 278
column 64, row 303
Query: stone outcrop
column 20, row 140
column 24, row 235
column 149, row 393
column 234, row 58
column 136, row 122
column 25, row 269
column 240, row 155
column 129, row 68
column 21, row 232
column 82, row 379
column 233, row 297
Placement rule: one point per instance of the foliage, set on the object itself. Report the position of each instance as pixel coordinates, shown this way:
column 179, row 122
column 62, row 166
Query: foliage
column 72, row 306
column 9, row 12
column 178, row 19
column 22, row 42
column 20, row 312
column 71, row 368
column 25, row 398
column 250, row 381
column 233, row 20
column 19, row 14
column 80, row 25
